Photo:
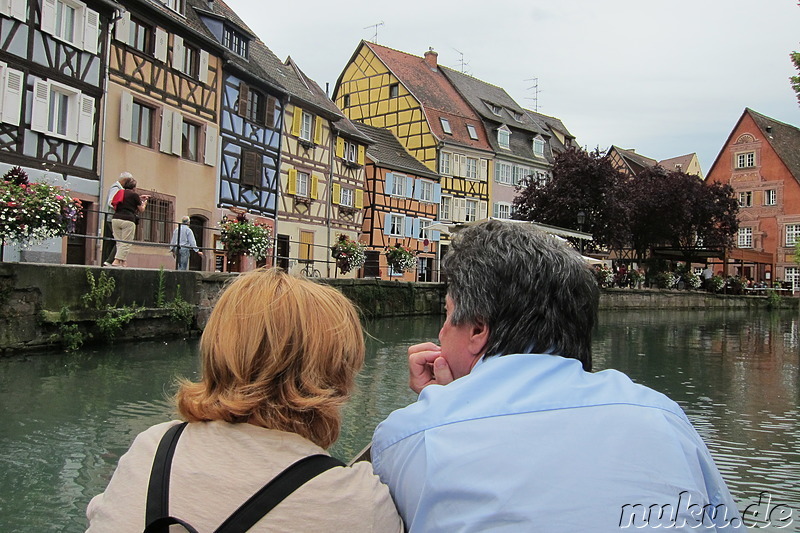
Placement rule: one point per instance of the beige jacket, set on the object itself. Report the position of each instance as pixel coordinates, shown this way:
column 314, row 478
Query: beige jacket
column 217, row 466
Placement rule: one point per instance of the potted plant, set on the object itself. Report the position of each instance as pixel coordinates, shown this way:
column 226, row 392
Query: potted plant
column 349, row 254
column 400, row 258
column 242, row 237
column 603, row 275
column 33, row 212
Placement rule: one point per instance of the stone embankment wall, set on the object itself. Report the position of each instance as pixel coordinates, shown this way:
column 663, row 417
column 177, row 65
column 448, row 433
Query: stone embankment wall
column 32, row 297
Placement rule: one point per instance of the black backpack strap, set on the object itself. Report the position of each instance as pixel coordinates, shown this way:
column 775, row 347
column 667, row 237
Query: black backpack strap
column 163, row 523
column 158, row 488
column 276, row 491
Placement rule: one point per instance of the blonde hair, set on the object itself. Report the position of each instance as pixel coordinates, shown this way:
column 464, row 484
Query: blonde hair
column 278, row 352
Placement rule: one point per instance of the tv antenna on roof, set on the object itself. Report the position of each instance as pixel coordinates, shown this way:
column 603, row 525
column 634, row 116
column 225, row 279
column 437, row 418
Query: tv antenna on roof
column 375, row 36
column 536, row 91
column 462, row 62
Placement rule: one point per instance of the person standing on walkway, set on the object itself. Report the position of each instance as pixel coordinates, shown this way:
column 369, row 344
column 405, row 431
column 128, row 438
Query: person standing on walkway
column 109, row 246
column 125, row 219
column 183, row 243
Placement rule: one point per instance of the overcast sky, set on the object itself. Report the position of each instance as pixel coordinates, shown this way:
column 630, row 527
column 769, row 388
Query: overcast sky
column 665, row 78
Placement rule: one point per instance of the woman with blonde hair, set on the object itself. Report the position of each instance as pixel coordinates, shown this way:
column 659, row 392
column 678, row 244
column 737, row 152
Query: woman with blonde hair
column 280, row 355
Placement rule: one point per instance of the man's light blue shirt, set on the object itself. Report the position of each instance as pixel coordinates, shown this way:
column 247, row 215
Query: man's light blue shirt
column 531, row 442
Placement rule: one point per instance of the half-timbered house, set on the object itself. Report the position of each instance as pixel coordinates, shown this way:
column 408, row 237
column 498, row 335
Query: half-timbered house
column 322, row 178
column 52, row 66
column 402, row 201
column 165, row 76
column 410, row 96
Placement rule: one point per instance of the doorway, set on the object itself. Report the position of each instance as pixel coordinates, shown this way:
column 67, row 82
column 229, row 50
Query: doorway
column 197, row 225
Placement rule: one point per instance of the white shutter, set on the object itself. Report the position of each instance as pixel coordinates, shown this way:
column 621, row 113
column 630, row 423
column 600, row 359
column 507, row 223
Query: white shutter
column 19, row 9
column 177, row 53
column 482, row 208
column 202, row 74
column 408, row 222
column 86, row 120
column 160, row 50
column 484, row 169
column 126, row 115
column 12, row 95
column 91, row 30
column 166, row 131
column 462, row 165
column 409, row 186
column 177, row 134
column 415, row 228
column 459, row 209
column 387, row 224
column 496, row 210
column 41, row 106
column 437, row 193
column 49, row 16
column 417, row 189
column 210, row 155
column 122, row 28
column 455, row 165
column 389, row 184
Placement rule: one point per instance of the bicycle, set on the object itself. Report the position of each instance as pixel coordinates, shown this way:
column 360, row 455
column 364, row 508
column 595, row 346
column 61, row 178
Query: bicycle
column 310, row 272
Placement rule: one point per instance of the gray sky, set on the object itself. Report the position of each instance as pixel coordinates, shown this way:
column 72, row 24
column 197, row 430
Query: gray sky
column 665, row 78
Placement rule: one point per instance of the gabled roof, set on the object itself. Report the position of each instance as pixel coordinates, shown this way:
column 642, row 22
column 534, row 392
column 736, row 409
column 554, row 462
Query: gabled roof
column 387, row 152
column 682, row 161
column 553, row 125
column 436, row 94
column 635, row 162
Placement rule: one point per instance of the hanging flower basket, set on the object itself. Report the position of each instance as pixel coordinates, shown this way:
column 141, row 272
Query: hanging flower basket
column 400, row 258
column 349, row 254
column 241, row 237
column 34, row 212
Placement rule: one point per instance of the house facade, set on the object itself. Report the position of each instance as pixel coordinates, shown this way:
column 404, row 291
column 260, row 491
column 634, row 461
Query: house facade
column 52, row 78
column 401, row 203
column 761, row 161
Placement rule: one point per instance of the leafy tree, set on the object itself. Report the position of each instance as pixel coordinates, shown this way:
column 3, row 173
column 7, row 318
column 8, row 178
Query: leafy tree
column 795, row 80
column 582, row 181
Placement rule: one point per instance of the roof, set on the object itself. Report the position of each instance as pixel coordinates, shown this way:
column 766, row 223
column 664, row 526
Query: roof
column 388, row 152
column 636, row 162
column 682, row 161
column 784, row 139
column 553, row 124
column 436, row 94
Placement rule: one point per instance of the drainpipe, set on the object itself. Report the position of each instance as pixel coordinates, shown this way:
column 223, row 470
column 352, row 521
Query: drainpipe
column 331, row 145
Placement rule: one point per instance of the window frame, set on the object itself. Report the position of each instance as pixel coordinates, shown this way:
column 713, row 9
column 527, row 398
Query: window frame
column 235, row 41
column 346, row 197
column 770, row 197
column 136, row 124
column 471, row 172
column 746, row 159
column 538, row 147
column 186, row 140
column 791, row 234
column 394, row 90
column 504, row 138
column 426, row 191
column 500, row 206
column 445, row 163
column 472, row 131
column 306, row 135
column 303, row 184
column 424, row 232
column 399, row 186
column 503, row 172
column 745, row 238
column 396, row 221
column 136, row 29
column 470, row 210
column 445, row 125
column 746, row 199
column 156, row 220
column 446, row 208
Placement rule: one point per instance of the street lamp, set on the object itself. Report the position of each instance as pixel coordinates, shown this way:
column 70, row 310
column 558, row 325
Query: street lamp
column 581, row 218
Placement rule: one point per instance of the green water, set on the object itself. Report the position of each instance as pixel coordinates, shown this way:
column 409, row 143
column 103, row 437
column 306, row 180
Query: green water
column 67, row 418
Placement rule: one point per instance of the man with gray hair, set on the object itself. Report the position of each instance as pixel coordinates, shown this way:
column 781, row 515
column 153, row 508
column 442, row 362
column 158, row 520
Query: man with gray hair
column 109, row 244
column 182, row 244
column 513, row 432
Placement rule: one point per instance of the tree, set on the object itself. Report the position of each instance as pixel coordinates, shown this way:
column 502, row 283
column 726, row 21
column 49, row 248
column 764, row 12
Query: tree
column 582, row 181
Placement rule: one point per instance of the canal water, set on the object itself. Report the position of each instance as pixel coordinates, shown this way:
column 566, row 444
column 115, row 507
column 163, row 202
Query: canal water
column 67, row 418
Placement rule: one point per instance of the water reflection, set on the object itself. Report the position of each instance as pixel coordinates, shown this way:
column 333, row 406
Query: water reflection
column 68, row 418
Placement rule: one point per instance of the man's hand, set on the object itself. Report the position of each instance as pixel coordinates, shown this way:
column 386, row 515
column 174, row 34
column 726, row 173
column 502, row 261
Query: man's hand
column 426, row 366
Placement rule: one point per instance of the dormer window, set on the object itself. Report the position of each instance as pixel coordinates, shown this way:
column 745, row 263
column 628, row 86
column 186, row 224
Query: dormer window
column 504, row 137
column 495, row 109
column 538, row 147
column 446, row 126
column 517, row 116
column 473, row 133
column 175, row 5
column 235, row 42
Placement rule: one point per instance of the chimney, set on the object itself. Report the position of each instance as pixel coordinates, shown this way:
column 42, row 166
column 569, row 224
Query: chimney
column 430, row 58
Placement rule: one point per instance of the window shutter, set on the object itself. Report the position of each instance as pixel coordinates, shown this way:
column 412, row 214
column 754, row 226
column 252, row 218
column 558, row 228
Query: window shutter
column 271, row 102
column 359, row 199
column 484, row 170
column 202, row 73
column 297, row 119
column 41, row 106
column 12, row 96
column 91, row 30
column 361, row 153
column 49, row 16
column 166, row 131
column 314, row 187
column 482, row 208
column 160, row 50
column 336, row 194
column 459, row 209
column 340, row 147
column 251, row 168
column 244, row 92
column 462, row 165
column 125, row 115
column 435, row 235
column 122, row 31
column 417, row 189
column 177, row 134
column 387, row 224
column 455, row 165
column 437, row 193
column 291, row 181
column 496, row 210
column 177, row 52
column 415, row 228
column 19, row 10
column 408, row 222
column 317, row 130
column 86, row 120
column 389, row 183
column 409, row 186
column 210, row 154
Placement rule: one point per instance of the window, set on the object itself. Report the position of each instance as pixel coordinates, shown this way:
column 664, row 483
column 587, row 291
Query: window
column 471, row 211
column 71, row 21
column 502, row 172
column 155, row 221
column 140, row 36
column 396, row 224
column 235, row 42
column 541, row 177
column 445, row 207
column 350, row 151
column 745, row 199
column 346, row 199
column 303, row 180
column 538, row 147
column 504, row 137
column 745, row 238
column 12, row 88
column 62, row 111
column 425, row 193
column 175, row 5
column 398, row 185
column 446, row 125
column 59, row 111
column 306, row 126
column 424, row 232
column 142, row 125
column 472, row 168
column 746, row 160
column 473, row 133
column 346, row 103
column 517, row 116
column 190, row 141
column 191, row 61
column 306, row 252
column 494, row 108
column 519, row 174
column 770, row 198
column 502, row 210
column 793, row 277
column 65, row 21
column 394, row 90
column 444, row 163
column 792, row 234
column 252, row 167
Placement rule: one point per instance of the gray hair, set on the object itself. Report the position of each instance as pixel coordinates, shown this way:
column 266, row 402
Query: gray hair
column 534, row 293
column 125, row 175
column 185, row 219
